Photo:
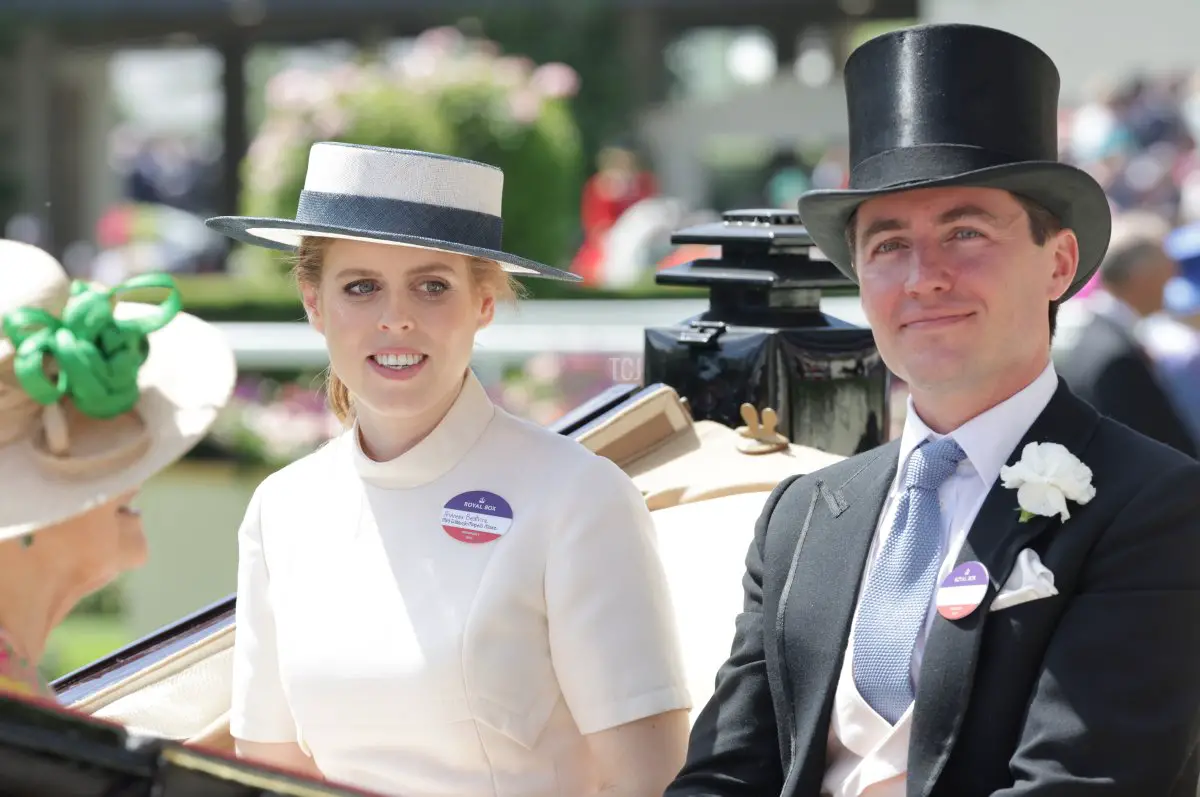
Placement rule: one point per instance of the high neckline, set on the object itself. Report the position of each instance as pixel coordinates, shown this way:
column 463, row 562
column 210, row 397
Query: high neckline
column 439, row 452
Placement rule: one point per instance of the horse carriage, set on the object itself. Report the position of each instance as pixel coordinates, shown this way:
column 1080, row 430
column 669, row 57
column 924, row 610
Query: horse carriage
column 761, row 386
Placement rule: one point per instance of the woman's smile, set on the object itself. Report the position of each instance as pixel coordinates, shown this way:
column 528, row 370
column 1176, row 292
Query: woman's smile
column 398, row 366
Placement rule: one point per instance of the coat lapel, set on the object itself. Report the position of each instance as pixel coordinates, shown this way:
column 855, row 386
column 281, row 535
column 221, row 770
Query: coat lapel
column 818, row 599
column 996, row 539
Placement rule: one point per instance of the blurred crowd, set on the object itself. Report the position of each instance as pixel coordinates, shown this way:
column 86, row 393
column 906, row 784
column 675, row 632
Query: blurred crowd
column 1138, row 138
column 1129, row 343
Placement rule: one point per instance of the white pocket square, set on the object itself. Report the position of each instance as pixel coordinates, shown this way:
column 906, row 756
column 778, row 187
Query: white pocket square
column 1030, row 580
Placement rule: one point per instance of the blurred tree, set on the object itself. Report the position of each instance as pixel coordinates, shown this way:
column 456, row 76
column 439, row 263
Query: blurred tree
column 587, row 35
column 451, row 94
column 108, row 600
column 12, row 185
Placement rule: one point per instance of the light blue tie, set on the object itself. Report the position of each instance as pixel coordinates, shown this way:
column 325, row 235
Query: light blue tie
column 898, row 591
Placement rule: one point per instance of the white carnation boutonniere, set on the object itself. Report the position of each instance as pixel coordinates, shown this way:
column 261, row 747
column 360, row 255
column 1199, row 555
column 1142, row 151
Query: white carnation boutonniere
column 1045, row 478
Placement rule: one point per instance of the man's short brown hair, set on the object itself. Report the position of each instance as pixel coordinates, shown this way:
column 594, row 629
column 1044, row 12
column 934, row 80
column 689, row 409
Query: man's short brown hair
column 1043, row 225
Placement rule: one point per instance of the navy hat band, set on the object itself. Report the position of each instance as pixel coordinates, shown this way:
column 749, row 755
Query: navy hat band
column 400, row 217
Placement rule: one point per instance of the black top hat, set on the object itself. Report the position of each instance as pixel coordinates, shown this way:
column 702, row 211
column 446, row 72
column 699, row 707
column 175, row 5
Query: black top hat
column 944, row 105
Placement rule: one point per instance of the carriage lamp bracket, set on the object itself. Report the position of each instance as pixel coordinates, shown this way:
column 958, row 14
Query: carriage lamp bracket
column 702, row 333
column 768, row 272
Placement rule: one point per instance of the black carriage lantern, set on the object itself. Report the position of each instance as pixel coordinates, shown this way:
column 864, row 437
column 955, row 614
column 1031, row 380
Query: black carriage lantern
column 764, row 339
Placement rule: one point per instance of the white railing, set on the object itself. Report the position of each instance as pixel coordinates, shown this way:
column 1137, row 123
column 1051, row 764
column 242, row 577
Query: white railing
column 561, row 326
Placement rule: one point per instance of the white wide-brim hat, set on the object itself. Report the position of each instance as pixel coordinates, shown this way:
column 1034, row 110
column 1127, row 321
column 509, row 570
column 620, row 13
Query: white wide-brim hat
column 394, row 196
column 57, row 462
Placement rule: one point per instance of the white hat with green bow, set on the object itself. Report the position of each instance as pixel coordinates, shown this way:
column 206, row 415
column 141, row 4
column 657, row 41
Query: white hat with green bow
column 96, row 395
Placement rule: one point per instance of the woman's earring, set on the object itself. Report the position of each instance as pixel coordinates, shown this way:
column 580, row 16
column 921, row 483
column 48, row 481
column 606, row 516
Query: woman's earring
column 27, row 540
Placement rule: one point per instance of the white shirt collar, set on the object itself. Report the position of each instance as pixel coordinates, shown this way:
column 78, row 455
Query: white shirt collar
column 989, row 438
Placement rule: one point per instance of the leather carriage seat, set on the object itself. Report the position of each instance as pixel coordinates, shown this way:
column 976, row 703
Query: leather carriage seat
column 184, row 697
column 676, row 460
column 703, row 547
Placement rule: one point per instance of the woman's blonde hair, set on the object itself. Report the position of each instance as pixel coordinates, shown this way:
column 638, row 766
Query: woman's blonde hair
column 486, row 275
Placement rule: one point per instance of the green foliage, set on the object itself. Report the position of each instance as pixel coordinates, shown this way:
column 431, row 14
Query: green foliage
column 80, row 640
column 108, row 601
column 449, row 95
column 586, row 35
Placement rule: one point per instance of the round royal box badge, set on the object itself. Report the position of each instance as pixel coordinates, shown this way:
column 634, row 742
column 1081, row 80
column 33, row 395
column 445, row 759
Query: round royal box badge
column 477, row 516
column 963, row 590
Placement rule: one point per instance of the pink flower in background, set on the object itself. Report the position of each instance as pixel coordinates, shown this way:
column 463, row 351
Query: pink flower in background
column 330, row 121
column 420, row 64
column 296, row 89
column 511, row 70
column 439, row 41
column 352, row 99
column 346, row 78
column 525, row 105
column 555, row 80
column 487, row 49
column 268, row 151
column 275, row 423
column 544, row 367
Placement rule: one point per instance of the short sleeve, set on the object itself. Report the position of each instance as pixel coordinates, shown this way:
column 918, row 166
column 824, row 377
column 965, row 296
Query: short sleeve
column 613, row 637
column 259, row 711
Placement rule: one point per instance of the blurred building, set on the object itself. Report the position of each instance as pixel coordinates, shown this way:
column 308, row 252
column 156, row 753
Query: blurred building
column 723, row 87
column 787, row 92
column 55, row 171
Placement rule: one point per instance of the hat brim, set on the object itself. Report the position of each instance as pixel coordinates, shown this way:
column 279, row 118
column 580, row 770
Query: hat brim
column 187, row 378
column 1069, row 193
column 285, row 234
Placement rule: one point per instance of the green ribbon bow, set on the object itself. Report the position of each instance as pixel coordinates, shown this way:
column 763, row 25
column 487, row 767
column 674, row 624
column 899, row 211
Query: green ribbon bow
column 98, row 356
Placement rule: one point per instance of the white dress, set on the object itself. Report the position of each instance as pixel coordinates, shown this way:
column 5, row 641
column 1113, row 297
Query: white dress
column 453, row 621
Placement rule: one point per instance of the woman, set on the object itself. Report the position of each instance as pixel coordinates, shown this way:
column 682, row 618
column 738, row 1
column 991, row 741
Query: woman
column 618, row 184
column 445, row 599
column 95, row 398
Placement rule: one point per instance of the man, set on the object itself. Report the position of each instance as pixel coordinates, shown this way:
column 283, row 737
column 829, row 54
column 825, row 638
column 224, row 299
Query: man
column 854, row 671
column 1105, row 364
